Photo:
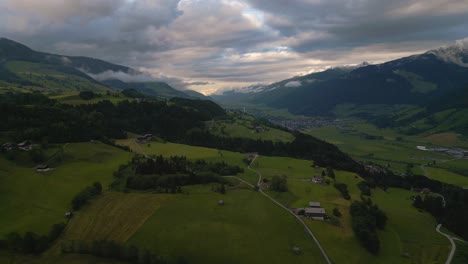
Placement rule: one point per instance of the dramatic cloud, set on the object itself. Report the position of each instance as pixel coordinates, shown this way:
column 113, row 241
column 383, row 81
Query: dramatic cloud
column 211, row 45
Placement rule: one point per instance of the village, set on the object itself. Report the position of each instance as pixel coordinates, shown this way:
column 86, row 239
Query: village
column 458, row 153
column 309, row 123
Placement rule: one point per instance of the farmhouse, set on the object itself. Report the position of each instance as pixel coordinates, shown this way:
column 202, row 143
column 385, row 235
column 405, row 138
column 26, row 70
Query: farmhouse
column 25, row 145
column 250, row 157
column 316, row 213
column 8, row 146
column 145, row 138
column 318, row 179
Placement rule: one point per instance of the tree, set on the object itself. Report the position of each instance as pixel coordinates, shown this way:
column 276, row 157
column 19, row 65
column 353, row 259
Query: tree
column 323, row 173
column 330, row 173
column 336, row 212
column 222, row 189
column 97, row 187
column 87, row 95
column 278, row 184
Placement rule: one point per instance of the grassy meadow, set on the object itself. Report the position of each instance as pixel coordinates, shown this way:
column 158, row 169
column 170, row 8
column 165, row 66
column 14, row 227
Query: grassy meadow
column 31, row 201
column 249, row 228
column 409, row 232
column 397, row 154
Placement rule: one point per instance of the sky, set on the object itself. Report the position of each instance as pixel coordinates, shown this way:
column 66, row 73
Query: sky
column 216, row 45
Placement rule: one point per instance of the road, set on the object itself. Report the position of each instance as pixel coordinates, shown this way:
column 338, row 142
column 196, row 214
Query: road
column 454, row 246
column 298, row 218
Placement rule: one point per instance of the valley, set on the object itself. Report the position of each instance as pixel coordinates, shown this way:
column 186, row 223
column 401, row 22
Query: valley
column 97, row 170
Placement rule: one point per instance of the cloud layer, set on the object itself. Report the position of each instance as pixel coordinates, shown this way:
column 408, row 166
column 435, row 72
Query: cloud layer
column 210, row 45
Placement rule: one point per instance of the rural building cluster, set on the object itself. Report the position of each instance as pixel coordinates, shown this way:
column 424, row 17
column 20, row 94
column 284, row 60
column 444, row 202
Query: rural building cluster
column 313, row 211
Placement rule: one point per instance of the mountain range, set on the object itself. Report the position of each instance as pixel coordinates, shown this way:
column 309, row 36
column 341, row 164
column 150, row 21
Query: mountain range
column 431, row 82
column 22, row 68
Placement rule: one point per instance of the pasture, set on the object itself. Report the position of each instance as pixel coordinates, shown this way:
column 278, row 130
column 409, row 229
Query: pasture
column 31, row 201
column 249, row 228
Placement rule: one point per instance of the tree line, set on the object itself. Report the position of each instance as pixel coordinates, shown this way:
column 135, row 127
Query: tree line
column 117, row 251
column 30, row 242
column 168, row 174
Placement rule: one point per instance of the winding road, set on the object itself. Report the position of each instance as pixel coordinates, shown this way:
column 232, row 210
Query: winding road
column 451, row 239
column 298, row 218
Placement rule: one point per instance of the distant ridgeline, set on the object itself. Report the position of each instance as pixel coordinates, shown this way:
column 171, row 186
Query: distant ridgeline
column 35, row 117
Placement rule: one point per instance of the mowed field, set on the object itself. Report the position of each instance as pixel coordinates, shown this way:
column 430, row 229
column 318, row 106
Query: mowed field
column 408, row 231
column 113, row 216
column 249, row 228
column 31, row 201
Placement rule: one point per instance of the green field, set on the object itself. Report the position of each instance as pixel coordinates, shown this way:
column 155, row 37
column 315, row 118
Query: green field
column 284, row 166
column 408, row 231
column 31, row 201
column 396, row 155
column 239, row 125
column 249, row 228
column 447, row 176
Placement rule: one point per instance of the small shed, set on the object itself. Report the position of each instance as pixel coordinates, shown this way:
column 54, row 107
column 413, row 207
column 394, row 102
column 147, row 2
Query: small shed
column 68, row 215
column 221, row 202
column 296, row 250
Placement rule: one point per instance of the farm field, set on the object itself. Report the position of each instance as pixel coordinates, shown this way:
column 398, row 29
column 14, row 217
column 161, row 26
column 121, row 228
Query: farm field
column 31, row 201
column 247, row 229
column 113, row 216
column 447, row 176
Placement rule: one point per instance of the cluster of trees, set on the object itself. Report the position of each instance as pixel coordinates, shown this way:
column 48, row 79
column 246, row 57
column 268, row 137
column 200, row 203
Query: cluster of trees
column 117, row 251
column 168, row 174
column 87, row 95
column 279, row 184
column 343, row 188
column 365, row 219
column 30, row 242
column 364, row 187
column 85, row 195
